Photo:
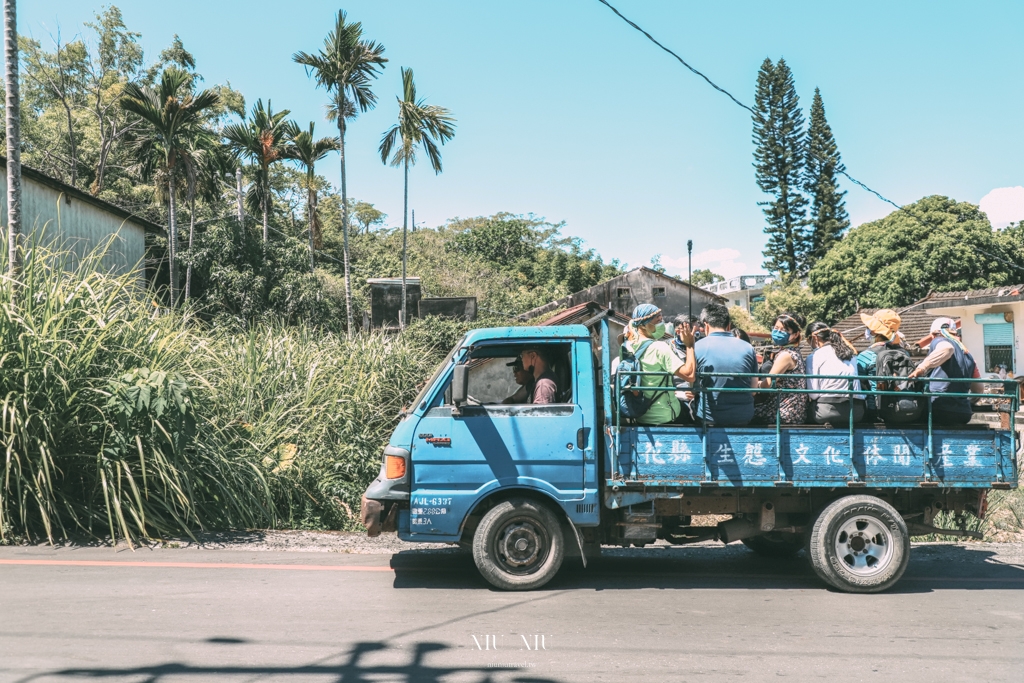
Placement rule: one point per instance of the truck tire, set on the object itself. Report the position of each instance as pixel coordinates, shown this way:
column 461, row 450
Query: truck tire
column 775, row 544
column 859, row 544
column 519, row 545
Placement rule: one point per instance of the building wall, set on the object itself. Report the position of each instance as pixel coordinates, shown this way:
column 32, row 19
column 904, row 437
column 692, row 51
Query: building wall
column 623, row 293
column 973, row 333
column 49, row 216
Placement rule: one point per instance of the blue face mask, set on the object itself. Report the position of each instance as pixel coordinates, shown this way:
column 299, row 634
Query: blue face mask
column 780, row 337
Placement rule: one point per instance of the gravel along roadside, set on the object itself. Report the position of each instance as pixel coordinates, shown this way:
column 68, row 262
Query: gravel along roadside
column 389, row 544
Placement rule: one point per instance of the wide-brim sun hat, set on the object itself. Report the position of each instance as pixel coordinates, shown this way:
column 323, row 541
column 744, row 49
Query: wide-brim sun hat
column 885, row 322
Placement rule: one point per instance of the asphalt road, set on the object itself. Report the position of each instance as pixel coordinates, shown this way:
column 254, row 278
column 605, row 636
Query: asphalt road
column 696, row 614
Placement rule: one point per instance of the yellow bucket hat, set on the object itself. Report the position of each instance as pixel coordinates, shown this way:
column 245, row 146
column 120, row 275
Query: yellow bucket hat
column 884, row 321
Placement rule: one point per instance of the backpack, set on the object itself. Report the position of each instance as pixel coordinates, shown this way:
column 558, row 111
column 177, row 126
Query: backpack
column 633, row 404
column 896, row 362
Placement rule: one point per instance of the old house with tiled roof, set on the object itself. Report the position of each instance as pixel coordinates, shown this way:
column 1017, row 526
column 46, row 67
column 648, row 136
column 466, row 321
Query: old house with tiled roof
column 990, row 323
column 641, row 285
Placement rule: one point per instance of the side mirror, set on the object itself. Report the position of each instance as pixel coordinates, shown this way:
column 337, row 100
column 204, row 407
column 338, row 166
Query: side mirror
column 460, row 384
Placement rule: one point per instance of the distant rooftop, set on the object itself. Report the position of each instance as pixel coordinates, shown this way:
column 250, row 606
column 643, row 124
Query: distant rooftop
column 735, row 284
column 410, row 279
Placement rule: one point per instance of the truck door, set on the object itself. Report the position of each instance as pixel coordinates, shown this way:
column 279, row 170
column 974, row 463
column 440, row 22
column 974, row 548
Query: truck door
column 494, row 444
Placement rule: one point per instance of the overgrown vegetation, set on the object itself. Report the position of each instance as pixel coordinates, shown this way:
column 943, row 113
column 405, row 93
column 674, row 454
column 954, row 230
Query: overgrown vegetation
column 121, row 421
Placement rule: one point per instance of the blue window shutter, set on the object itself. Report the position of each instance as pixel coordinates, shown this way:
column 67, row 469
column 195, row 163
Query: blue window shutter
column 999, row 334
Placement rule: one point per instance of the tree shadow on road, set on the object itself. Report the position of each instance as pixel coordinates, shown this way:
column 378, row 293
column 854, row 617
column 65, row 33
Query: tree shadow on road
column 353, row 669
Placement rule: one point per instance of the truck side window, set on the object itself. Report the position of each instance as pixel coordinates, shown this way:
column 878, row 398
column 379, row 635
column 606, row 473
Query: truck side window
column 494, row 377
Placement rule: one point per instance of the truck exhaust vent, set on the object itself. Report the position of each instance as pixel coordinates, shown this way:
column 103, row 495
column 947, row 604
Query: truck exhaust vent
column 585, row 508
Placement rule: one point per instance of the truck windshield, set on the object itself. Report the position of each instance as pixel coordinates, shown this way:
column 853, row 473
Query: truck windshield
column 421, row 397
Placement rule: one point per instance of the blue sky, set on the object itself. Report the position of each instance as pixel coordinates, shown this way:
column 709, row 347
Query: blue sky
column 567, row 112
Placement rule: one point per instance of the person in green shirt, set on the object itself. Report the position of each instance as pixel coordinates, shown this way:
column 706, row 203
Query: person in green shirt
column 647, row 323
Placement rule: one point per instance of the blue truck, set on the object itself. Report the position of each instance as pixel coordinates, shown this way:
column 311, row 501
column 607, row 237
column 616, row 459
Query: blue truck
column 525, row 486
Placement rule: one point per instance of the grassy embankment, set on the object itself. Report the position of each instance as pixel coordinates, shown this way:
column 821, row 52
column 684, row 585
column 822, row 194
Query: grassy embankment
column 119, row 421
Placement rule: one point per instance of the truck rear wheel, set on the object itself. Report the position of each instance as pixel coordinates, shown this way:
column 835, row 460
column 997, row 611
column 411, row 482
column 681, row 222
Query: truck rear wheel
column 775, row 544
column 859, row 544
column 518, row 545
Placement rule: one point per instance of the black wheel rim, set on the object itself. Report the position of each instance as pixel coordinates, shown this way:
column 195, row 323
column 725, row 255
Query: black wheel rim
column 521, row 545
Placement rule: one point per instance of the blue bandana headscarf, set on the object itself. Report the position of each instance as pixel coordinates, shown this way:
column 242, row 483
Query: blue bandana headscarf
column 644, row 313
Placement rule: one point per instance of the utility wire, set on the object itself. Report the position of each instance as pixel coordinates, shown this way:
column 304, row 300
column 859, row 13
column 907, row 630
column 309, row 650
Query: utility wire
column 725, row 92
column 681, row 60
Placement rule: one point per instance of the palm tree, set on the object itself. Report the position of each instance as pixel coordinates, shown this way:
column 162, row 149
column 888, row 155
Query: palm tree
column 307, row 150
column 206, row 164
column 172, row 115
column 344, row 67
column 13, row 136
column 263, row 139
column 421, row 124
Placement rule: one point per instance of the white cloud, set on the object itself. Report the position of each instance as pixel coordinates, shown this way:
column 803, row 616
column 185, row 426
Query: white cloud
column 722, row 261
column 1004, row 205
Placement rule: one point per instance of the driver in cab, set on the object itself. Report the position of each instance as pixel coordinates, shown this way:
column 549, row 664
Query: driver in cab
column 538, row 365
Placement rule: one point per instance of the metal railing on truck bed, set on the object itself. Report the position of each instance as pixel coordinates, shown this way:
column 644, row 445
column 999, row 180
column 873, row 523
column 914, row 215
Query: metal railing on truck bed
column 861, row 455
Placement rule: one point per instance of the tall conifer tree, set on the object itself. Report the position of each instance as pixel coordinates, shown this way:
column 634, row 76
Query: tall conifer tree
column 828, row 219
column 778, row 163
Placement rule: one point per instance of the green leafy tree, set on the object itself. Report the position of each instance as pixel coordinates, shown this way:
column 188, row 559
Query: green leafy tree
column 344, row 67
column 828, row 218
column 366, row 214
column 778, row 163
column 935, row 244
column 419, row 123
column 263, row 140
column 306, row 150
column 705, row 276
column 171, row 113
column 789, row 294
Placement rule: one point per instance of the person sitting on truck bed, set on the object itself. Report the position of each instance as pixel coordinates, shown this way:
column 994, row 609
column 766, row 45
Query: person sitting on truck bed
column 684, row 390
column 832, row 355
column 720, row 351
column 949, row 359
column 647, row 323
column 545, row 384
column 523, row 379
column 792, row 408
column 884, row 324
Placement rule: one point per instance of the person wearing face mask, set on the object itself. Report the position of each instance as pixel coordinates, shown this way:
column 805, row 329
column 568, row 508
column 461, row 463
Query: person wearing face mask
column 832, row 355
column 788, row 361
column 647, row 324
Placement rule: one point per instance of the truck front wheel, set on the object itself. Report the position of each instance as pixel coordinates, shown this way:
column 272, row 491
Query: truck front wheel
column 518, row 545
column 859, row 544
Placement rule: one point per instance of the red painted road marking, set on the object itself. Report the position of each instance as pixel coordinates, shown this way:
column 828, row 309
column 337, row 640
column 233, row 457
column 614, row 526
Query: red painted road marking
column 198, row 565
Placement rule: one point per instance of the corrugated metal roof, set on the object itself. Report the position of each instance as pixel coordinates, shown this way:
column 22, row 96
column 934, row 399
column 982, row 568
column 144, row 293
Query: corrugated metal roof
column 581, row 313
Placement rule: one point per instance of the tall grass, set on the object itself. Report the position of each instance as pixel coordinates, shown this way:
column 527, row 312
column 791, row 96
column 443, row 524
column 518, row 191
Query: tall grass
column 312, row 409
column 118, row 421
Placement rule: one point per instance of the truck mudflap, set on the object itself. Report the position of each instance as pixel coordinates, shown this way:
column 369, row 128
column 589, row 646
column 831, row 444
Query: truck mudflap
column 377, row 517
column 369, row 514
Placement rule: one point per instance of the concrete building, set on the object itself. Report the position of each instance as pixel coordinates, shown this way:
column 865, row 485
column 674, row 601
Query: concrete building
column 990, row 323
column 641, row 285
column 386, row 301
column 60, row 215
column 742, row 290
